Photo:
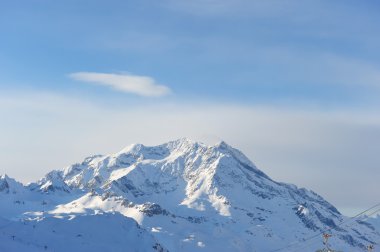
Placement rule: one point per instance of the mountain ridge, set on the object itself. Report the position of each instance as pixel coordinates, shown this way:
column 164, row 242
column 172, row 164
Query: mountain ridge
column 189, row 195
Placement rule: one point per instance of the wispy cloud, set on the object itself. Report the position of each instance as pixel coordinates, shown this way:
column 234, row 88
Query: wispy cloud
column 128, row 83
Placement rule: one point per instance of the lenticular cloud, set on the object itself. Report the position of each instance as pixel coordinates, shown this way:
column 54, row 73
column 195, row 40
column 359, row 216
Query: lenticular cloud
column 128, row 83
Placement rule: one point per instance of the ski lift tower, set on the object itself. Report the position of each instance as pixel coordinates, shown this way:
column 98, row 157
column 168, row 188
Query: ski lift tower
column 370, row 247
column 326, row 243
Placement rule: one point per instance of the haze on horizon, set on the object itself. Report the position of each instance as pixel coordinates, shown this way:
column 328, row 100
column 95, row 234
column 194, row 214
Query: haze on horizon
column 292, row 84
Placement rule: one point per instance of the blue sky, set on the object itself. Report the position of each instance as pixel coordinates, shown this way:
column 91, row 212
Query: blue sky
column 320, row 52
column 294, row 84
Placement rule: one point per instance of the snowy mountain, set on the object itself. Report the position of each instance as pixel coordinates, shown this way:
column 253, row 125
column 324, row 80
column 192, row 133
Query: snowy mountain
column 178, row 196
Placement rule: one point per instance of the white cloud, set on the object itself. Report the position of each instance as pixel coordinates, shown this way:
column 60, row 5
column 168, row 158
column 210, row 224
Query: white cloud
column 128, row 83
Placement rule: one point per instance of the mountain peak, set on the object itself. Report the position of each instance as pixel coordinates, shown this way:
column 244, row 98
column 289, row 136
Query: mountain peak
column 182, row 144
column 222, row 144
column 8, row 184
column 183, row 140
column 3, row 176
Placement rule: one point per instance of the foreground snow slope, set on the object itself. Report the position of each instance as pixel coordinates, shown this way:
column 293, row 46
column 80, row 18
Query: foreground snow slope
column 189, row 197
column 101, row 232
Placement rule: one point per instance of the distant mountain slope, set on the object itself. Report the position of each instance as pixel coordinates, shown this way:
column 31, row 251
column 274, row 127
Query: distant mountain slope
column 189, row 197
column 375, row 221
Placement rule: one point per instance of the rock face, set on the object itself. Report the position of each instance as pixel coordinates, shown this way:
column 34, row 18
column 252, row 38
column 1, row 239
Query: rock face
column 190, row 197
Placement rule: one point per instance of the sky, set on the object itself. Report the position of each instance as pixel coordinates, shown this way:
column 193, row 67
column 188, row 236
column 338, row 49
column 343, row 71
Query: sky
column 293, row 84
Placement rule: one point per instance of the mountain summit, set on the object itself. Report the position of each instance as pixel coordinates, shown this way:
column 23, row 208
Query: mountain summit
column 182, row 196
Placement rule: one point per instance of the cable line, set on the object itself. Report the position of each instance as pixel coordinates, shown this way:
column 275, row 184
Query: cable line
column 328, row 229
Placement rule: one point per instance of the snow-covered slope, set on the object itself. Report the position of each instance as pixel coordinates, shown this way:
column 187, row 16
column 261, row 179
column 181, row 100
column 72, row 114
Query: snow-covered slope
column 100, row 232
column 190, row 197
